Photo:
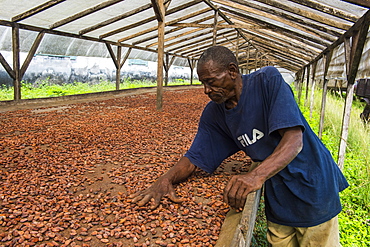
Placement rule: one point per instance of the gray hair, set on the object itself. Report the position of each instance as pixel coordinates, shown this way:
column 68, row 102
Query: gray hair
column 218, row 54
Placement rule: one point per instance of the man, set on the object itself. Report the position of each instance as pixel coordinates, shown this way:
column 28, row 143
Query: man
column 257, row 113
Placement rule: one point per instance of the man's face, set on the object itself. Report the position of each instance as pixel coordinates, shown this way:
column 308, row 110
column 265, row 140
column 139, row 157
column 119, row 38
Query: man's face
column 218, row 84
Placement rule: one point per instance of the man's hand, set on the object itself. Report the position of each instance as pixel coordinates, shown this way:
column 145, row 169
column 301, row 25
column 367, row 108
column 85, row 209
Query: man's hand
column 164, row 185
column 155, row 193
column 238, row 188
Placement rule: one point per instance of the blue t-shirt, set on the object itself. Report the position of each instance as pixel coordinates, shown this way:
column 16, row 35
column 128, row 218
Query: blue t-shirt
column 306, row 192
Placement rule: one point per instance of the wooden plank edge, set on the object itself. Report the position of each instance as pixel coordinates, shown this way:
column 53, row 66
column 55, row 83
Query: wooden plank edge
column 237, row 229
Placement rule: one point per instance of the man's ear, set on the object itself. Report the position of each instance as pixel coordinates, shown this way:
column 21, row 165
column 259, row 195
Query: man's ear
column 233, row 70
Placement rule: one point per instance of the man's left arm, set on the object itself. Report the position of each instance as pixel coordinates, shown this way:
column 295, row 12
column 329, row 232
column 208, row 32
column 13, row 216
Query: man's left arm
column 240, row 186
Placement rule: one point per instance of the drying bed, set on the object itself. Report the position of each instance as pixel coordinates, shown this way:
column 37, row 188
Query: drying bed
column 66, row 173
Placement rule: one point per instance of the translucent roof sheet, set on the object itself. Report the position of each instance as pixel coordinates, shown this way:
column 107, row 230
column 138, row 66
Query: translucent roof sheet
column 285, row 33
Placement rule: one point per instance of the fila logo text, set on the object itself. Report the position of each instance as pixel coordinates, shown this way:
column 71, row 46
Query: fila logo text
column 246, row 141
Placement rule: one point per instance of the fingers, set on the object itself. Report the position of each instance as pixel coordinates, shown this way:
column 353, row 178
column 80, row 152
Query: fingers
column 145, row 200
column 173, row 197
column 241, row 200
column 227, row 190
column 143, row 197
column 235, row 193
column 135, row 194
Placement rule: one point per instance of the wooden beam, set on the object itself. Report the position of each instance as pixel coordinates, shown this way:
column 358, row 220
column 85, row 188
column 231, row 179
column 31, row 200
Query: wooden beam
column 304, row 47
column 296, row 46
column 244, row 231
column 287, row 36
column 358, row 43
column 307, row 14
column 191, row 63
column 327, row 58
column 250, row 10
column 161, row 27
column 281, row 48
column 176, row 36
column 196, row 48
column 118, row 71
column 312, row 98
column 214, row 26
column 362, row 3
column 16, row 63
column 196, row 43
column 327, row 9
column 288, row 17
column 182, row 18
column 283, row 58
column 142, row 22
column 76, row 36
column 353, row 56
column 118, row 63
column 301, row 85
column 7, row 67
column 158, row 13
column 237, row 47
column 350, row 32
column 36, row 10
column 155, row 28
column 280, row 29
column 112, row 55
column 307, row 85
column 126, row 57
column 188, row 38
column 248, row 56
column 115, row 19
column 224, row 17
column 219, row 26
column 84, row 13
column 31, row 53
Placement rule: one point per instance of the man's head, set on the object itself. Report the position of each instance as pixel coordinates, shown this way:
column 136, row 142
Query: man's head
column 220, row 55
column 218, row 71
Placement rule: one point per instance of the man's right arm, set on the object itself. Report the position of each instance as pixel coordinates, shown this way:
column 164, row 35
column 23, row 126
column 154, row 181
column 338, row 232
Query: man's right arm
column 164, row 184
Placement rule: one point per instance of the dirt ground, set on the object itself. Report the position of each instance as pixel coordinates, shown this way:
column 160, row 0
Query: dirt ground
column 68, row 167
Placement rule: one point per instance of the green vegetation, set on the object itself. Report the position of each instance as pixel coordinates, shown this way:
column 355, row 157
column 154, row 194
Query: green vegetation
column 46, row 89
column 354, row 220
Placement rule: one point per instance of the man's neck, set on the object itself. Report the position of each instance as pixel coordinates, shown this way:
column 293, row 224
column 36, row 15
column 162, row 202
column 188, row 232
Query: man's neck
column 233, row 101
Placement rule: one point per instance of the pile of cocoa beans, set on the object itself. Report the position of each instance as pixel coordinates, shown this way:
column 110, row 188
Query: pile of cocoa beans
column 66, row 173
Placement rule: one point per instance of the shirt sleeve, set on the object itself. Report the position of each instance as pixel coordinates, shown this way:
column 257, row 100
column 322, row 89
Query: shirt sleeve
column 212, row 143
column 283, row 109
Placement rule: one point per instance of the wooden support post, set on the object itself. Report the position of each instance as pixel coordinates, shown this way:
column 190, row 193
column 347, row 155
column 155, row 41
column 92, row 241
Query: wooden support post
column 327, row 59
column 297, row 79
column 301, row 86
column 166, row 69
column 118, row 71
column 215, row 28
column 248, row 56
column 237, row 47
column 118, row 63
column 18, row 72
column 307, row 85
column 16, row 63
column 353, row 56
column 191, row 65
column 312, row 99
column 161, row 27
